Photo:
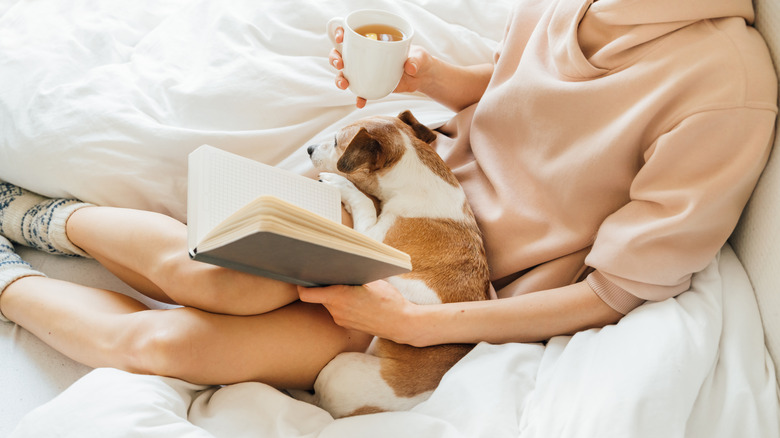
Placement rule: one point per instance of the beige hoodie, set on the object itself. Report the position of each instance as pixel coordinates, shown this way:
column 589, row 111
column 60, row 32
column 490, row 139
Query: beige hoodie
column 617, row 142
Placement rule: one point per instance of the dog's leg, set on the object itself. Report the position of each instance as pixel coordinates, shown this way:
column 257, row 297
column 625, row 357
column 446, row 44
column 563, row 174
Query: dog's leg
column 352, row 384
column 356, row 202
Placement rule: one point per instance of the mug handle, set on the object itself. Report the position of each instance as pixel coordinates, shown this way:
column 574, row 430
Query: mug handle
column 331, row 29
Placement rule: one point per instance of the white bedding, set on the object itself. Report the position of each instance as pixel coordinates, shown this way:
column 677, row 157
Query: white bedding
column 692, row 366
column 103, row 100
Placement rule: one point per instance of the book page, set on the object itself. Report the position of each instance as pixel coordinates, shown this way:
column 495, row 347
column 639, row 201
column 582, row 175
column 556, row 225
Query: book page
column 226, row 182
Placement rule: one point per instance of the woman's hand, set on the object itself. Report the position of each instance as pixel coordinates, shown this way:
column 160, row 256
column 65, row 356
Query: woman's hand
column 417, row 69
column 376, row 308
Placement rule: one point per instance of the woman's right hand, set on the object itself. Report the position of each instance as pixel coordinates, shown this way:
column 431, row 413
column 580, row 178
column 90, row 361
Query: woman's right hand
column 416, row 69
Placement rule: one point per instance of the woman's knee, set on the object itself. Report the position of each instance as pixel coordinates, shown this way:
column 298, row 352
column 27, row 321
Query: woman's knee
column 158, row 342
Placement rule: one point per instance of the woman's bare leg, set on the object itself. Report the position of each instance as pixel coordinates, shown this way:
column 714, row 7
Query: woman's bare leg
column 286, row 348
column 149, row 251
column 284, row 342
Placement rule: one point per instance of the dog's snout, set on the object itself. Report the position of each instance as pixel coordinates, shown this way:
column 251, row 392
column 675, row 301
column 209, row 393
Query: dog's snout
column 311, row 149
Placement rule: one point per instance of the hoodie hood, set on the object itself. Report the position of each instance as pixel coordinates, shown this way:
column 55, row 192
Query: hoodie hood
column 611, row 31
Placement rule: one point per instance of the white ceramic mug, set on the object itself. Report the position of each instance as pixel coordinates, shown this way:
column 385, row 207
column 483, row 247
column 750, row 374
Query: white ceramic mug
column 373, row 68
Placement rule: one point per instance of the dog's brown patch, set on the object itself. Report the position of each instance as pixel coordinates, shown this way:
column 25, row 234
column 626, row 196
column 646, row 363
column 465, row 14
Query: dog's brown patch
column 447, row 254
column 413, row 370
column 369, row 151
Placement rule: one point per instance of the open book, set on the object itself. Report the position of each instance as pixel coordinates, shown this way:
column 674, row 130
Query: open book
column 246, row 215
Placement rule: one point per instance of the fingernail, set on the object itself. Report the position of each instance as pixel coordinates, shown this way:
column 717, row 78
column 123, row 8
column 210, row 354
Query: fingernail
column 336, row 63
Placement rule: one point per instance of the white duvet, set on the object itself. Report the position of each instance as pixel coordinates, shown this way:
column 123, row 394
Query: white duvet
column 103, row 100
column 694, row 366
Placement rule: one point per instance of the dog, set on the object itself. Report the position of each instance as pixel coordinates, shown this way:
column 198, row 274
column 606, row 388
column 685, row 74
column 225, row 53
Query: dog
column 400, row 192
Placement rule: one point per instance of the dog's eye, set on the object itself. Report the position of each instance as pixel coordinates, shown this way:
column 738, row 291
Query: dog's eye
column 336, row 140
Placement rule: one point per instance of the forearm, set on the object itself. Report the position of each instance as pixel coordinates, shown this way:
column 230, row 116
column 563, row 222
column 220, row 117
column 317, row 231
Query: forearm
column 457, row 87
column 526, row 318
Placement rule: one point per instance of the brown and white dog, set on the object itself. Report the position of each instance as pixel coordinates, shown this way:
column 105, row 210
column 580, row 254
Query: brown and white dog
column 420, row 209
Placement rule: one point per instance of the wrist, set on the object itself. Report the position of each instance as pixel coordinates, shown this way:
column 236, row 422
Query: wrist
column 414, row 328
column 432, row 324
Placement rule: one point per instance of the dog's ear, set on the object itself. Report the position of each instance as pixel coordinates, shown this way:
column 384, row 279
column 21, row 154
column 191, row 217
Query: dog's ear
column 421, row 131
column 362, row 150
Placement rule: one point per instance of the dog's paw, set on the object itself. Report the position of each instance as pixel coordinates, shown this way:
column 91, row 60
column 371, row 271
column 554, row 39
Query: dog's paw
column 345, row 186
column 355, row 202
column 334, row 179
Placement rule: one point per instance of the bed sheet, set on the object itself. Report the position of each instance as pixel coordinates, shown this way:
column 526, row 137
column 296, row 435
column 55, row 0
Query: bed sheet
column 691, row 366
column 104, row 100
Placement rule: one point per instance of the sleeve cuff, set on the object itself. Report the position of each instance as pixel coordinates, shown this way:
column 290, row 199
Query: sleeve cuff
column 615, row 296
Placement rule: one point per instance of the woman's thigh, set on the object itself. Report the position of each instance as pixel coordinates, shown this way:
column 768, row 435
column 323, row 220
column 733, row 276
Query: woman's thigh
column 285, row 348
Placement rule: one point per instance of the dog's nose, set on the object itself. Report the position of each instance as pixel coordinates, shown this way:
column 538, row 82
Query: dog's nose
column 311, row 148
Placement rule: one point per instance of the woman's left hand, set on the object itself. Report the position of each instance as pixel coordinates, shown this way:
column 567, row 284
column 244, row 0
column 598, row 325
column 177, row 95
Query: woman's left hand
column 376, row 308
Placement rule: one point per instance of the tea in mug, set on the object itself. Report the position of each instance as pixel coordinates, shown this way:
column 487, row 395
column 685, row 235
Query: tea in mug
column 380, row 32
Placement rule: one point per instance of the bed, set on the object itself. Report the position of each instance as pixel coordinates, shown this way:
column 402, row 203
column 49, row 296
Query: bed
column 104, row 100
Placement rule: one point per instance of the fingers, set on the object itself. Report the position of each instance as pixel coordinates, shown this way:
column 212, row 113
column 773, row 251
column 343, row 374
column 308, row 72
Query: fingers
column 335, row 59
column 316, row 295
column 377, row 308
column 411, row 66
column 322, row 295
column 341, row 81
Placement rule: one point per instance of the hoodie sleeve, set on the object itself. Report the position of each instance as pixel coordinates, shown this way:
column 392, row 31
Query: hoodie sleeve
column 684, row 203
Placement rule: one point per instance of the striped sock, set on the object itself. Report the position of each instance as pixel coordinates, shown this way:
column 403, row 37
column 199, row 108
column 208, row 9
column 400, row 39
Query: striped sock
column 12, row 267
column 32, row 220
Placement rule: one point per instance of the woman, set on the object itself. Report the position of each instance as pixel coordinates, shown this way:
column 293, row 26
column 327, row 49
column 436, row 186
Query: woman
column 607, row 155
